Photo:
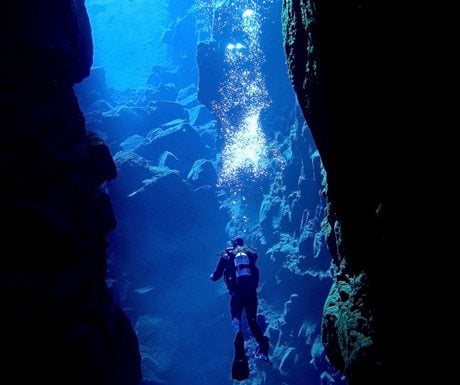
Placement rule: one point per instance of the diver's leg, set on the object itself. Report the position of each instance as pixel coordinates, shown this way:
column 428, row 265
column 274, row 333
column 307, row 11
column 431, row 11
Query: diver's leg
column 236, row 310
column 251, row 314
column 240, row 366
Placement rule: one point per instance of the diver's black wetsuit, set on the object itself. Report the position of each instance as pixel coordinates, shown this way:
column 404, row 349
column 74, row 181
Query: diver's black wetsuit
column 242, row 278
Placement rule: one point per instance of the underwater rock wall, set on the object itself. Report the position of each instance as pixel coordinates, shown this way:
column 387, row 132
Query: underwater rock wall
column 59, row 323
column 339, row 58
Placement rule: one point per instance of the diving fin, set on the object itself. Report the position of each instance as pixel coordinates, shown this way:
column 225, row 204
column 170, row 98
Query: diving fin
column 262, row 351
column 240, row 366
column 263, row 357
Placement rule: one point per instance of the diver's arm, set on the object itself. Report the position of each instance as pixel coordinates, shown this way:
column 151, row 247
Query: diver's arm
column 219, row 271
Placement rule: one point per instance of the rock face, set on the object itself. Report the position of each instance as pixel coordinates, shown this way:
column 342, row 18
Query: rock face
column 59, row 323
column 340, row 68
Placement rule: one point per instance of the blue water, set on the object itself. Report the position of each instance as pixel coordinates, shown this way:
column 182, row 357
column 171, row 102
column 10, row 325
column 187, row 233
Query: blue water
column 208, row 146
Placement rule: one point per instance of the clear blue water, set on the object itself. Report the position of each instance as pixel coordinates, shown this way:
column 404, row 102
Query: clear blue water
column 207, row 147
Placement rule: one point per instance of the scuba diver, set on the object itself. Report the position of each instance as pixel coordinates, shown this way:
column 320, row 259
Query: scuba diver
column 237, row 264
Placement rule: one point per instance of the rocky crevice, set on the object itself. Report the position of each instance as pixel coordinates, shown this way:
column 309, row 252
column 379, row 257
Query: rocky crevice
column 336, row 57
column 59, row 323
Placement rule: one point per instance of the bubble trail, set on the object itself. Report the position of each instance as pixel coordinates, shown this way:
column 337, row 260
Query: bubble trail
column 243, row 98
